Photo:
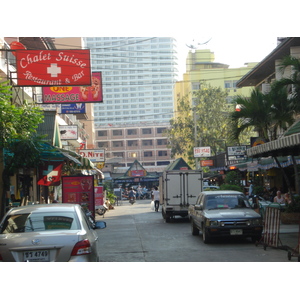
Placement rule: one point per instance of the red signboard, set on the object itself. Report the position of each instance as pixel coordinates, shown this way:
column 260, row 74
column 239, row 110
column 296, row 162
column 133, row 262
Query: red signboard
column 99, row 196
column 207, row 163
column 53, row 67
column 50, row 173
column 77, row 94
column 137, row 173
column 80, row 190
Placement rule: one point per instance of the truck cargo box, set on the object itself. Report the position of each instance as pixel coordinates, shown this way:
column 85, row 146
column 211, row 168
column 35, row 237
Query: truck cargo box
column 179, row 189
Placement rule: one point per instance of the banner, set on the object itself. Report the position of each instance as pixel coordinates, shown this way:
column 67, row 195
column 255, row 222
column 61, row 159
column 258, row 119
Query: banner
column 50, row 173
column 53, row 67
column 75, row 94
column 80, row 190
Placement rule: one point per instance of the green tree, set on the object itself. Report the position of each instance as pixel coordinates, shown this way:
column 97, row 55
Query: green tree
column 265, row 114
column 204, row 122
column 254, row 114
column 18, row 137
column 292, row 83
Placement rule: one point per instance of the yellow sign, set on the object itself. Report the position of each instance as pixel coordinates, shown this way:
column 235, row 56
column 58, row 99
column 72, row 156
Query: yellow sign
column 100, row 165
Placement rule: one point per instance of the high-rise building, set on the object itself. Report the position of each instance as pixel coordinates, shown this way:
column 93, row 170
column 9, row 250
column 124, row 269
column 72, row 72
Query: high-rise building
column 138, row 75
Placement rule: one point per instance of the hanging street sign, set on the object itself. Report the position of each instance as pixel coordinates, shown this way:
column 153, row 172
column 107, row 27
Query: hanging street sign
column 202, row 152
column 53, row 67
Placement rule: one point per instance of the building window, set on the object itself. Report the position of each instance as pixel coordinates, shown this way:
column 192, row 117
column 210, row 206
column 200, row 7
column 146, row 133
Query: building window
column 102, row 133
column 103, row 144
column 118, row 154
column 132, row 131
column 148, row 154
column 147, row 143
column 132, row 143
column 117, row 132
column 162, row 153
column 195, row 85
column 146, row 131
column 160, row 130
column 117, row 144
column 162, row 142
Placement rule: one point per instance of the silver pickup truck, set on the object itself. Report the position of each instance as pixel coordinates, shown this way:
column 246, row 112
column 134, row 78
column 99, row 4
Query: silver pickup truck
column 224, row 214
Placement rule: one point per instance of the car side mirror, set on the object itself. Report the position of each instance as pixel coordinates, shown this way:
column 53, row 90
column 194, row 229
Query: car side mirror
column 198, row 207
column 100, row 225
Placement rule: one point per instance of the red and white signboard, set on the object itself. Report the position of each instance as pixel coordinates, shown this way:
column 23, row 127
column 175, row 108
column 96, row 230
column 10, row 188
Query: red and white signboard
column 202, row 152
column 94, row 155
column 68, row 132
column 53, row 67
column 75, row 94
column 50, row 173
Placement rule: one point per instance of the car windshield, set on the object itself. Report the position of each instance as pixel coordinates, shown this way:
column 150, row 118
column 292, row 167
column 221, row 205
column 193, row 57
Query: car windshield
column 226, row 201
column 40, row 221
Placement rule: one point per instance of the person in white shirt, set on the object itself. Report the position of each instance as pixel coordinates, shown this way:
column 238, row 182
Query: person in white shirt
column 156, row 198
column 279, row 198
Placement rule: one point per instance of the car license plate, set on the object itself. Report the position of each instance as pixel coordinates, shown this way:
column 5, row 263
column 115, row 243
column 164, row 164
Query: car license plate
column 40, row 255
column 236, row 231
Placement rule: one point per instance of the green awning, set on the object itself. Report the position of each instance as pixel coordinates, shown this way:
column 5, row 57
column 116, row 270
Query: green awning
column 86, row 164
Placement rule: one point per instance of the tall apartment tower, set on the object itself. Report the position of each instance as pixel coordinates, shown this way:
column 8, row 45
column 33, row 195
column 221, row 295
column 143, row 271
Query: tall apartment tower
column 138, row 75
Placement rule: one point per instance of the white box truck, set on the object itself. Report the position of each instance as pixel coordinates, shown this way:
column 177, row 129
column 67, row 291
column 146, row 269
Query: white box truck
column 179, row 189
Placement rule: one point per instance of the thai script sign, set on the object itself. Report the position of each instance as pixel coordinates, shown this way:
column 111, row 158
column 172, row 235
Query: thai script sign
column 202, row 152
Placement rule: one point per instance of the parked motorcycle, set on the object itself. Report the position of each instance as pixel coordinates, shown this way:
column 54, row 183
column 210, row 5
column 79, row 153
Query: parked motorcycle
column 102, row 210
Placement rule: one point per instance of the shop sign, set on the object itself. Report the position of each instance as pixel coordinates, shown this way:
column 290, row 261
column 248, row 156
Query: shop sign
column 94, row 155
column 53, row 67
column 75, row 94
column 68, row 132
column 79, row 190
column 202, row 152
column 207, row 163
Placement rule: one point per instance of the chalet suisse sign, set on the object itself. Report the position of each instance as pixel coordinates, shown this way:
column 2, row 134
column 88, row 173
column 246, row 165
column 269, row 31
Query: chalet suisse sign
column 53, row 67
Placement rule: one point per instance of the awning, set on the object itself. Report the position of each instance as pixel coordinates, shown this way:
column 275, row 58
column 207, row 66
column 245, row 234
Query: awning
column 70, row 157
column 288, row 145
column 94, row 171
column 86, row 164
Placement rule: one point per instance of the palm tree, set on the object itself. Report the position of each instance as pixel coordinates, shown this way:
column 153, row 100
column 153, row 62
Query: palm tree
column 282, row 110
column 254, row 114
column 293, row 82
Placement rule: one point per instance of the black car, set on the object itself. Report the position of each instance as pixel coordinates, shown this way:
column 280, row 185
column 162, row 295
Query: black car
column 224, row 214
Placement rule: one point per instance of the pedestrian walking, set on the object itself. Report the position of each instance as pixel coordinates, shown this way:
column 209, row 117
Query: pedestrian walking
column 156, row 198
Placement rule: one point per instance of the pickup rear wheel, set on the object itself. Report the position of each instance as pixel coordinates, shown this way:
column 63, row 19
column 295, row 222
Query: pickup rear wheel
column 205, row 236
column 195, row 230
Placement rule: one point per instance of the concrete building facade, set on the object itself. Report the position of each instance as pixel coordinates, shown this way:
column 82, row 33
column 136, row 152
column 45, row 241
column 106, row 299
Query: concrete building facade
column 138, row 75
column 202, row 69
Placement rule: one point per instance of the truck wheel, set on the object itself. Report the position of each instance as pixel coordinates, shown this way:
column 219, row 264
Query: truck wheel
column 205, row 236
column 195, row 230
column 168, row 218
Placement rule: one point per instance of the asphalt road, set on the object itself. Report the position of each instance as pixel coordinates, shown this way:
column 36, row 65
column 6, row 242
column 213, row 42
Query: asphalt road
column 135, row 233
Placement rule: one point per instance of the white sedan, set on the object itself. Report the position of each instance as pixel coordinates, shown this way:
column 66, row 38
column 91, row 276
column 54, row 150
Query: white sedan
column 48, row 233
